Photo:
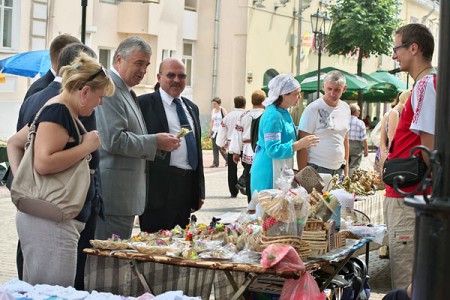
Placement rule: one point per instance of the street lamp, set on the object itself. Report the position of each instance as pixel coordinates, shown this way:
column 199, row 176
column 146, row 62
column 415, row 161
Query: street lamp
column 321, row 27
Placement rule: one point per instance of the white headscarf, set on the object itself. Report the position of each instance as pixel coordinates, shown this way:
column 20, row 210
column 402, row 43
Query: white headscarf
column 280, row 85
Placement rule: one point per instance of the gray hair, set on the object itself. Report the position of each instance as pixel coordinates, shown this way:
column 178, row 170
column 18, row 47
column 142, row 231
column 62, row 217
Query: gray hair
column 353, row 108
column 131, row 44
column 335, row 76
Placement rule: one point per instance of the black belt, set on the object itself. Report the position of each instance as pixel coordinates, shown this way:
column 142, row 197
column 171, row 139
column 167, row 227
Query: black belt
column 178, row 171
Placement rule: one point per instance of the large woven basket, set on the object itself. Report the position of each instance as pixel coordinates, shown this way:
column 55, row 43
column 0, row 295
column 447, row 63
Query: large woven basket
column 308, row 178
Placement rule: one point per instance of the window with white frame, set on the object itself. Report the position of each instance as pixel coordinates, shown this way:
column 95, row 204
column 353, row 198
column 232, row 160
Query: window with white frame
column 190, row 5
column 188, row 55
column 7, row 20
column 105, row 57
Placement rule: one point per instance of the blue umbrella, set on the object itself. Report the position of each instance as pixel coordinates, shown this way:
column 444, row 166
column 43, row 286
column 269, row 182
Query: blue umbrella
column 27, row 64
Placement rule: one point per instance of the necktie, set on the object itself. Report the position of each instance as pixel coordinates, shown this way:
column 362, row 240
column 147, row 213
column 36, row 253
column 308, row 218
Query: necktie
column 190, row 140
column 133, row 94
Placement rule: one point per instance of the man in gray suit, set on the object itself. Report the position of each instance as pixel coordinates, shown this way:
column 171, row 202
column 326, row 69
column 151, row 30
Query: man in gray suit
column 126, row 145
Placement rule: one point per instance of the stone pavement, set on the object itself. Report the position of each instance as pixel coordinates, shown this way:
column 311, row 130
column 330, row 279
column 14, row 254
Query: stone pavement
column 218, row 202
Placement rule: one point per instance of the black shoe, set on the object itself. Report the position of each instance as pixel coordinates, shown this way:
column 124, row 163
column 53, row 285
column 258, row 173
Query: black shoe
column 241, row 189
column 233, row 195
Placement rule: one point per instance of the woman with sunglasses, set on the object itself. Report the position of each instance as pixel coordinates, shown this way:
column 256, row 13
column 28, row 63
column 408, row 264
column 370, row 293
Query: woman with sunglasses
column 50, row 248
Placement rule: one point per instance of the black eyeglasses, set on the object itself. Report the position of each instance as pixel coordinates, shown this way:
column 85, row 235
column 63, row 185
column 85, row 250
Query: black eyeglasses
column 400, row 46
column 92, row 77
column 173, row 75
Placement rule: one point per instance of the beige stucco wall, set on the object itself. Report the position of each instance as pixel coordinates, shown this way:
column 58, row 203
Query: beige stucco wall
column 251, row 40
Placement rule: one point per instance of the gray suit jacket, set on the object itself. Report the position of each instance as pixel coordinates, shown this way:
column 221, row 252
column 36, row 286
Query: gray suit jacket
column 125, row 148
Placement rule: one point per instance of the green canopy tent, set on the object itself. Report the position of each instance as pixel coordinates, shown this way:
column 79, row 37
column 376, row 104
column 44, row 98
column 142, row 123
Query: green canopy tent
column 384, row 76
column 308, row 81
column 379, row 86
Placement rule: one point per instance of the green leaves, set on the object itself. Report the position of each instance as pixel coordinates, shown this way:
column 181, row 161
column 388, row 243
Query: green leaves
column 367, row 25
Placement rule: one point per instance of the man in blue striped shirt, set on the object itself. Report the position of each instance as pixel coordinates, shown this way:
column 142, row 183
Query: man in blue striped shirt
column 358, row 139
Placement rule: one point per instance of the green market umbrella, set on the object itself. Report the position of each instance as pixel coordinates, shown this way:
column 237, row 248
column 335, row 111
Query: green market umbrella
column 308, row 81
column 384, row 76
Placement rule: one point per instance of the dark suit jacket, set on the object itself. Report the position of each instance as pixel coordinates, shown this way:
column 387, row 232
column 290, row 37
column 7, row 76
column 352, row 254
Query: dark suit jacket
column 158, row 180
column 40, row 84
column 34, row 103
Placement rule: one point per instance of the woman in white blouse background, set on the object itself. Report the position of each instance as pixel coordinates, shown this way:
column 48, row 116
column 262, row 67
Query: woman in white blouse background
column 217, row 114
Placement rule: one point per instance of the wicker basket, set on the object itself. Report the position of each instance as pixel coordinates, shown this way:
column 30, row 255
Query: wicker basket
column 339, row 239
column 315, row 234
column 152, row 250
column 318, row 235
column 109, row 245
column 312, row 225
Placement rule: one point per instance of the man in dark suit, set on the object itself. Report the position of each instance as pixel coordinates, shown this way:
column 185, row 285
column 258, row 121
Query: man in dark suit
column 175, row 180
column 56, row 46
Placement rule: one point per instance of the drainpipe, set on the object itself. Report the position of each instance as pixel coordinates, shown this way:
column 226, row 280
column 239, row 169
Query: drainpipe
column 50, row 23
column 216, row 49
column 299, row 37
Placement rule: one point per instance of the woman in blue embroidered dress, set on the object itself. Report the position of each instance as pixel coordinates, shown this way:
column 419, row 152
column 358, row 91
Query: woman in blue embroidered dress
column 277, row 135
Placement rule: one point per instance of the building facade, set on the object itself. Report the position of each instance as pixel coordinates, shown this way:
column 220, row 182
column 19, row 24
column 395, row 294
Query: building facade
column 230, row 47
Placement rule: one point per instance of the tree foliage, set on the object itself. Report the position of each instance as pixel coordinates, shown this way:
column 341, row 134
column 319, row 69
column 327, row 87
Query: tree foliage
column 364, row 25
column 367, row 25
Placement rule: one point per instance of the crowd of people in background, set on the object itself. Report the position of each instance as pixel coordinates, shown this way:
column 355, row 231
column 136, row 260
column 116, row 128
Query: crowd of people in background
column 139, row 138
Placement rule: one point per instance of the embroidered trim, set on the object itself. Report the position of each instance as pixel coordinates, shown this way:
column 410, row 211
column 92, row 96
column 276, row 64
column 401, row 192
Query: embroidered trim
column 421, row 87
column 272, row 136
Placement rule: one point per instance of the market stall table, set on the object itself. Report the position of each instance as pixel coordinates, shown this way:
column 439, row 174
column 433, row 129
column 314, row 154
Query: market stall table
column 132, row 273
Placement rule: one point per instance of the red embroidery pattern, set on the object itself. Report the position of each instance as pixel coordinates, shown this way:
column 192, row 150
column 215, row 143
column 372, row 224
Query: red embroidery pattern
column 421, row 87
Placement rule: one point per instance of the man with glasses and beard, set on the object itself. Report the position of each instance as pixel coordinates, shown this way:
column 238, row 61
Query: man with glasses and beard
column 126, row 144
column 175, row 180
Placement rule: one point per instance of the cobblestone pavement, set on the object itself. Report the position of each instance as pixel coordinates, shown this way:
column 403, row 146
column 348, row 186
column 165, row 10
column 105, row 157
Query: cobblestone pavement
column 218, row 201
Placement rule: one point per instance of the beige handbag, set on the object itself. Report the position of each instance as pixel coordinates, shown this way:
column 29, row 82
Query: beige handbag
column 57, row 197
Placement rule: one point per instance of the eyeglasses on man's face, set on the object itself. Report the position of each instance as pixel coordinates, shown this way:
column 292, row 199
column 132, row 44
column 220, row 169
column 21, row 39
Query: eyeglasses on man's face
column 180, row 76
column 400, row 46
column 92, row 77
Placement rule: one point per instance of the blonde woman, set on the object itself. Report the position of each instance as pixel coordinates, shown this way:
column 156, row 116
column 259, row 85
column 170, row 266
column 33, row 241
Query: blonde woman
column 50, row 248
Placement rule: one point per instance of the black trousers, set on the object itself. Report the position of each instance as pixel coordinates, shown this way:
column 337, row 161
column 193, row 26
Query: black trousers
column 87, row 234
column 246, row 175
column 176, row 209
column 232, row 176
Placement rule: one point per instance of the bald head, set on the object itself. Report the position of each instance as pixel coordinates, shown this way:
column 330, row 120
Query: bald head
column 172, row 76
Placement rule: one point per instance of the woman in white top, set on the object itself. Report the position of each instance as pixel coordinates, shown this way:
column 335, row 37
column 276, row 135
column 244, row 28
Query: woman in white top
column 217, row 114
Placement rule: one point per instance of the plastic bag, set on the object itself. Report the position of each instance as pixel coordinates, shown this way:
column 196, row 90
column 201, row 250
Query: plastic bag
column 279, row 216
column 305, row 288
column 281, row 258
column 375, row 135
